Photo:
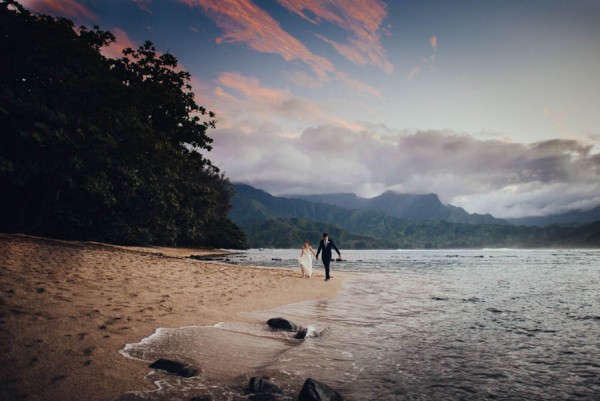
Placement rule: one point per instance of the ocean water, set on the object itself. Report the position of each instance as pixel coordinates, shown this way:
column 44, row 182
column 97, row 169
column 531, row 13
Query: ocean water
column 409, row 325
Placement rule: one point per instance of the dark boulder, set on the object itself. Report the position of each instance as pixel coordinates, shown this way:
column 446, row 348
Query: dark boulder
column 301, row 334
column 279, row 323
column 174, row 367
column 316, row 391
column 262, row 385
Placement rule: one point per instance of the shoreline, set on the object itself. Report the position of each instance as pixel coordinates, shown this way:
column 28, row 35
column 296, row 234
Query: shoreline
column 68, row 308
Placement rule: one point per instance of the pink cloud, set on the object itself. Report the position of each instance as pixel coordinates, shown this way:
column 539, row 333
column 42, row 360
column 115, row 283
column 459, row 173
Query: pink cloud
column 66, row 8
column 243, row 22
column 363, row 19
column 358, row 85
column 433, row 42
column 251, row 88
column 241, row 95
column 302, row 79
column 122, row 41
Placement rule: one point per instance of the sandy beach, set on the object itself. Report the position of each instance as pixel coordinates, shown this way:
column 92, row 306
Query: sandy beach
column 67, row 308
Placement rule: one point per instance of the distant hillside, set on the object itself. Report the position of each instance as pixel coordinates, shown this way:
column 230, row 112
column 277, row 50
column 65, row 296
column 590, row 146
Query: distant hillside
column 404, row 206
column 291, row 233
column 251, row 205
column 576, row 217
column 270, row 221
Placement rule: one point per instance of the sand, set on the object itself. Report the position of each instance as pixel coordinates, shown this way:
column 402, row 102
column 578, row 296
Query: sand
column 67, row 308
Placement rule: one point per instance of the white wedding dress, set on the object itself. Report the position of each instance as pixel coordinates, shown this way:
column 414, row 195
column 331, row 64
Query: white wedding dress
column 305, row 261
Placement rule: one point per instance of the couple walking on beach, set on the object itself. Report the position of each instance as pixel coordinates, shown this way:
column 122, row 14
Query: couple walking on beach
column 325, row 245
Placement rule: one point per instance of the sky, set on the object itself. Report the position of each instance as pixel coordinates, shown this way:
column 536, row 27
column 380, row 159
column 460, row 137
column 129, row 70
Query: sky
column 494, row 105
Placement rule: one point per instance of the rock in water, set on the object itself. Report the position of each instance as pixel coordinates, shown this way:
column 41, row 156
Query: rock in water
column 263, row 385
column 316, row 391
column 279, row 323
column 264, row 397
column 174, row 367
column 301, row 334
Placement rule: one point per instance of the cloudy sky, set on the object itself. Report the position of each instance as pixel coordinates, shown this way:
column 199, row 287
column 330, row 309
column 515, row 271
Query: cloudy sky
column 492, row 105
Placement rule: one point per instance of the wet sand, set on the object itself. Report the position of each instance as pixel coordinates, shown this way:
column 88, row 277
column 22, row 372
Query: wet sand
column 67, row 308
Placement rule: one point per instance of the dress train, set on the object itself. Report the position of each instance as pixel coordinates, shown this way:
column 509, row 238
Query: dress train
column 305, row 264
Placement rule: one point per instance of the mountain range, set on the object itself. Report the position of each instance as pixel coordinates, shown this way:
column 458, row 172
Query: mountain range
column 575, row 217
column 404, row 206
column 390, row 220
column 429, row 207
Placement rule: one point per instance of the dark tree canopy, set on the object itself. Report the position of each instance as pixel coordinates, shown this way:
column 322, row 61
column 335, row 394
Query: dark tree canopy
column 103, row 149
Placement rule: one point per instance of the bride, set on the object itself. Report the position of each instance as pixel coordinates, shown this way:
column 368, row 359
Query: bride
column 306, row 260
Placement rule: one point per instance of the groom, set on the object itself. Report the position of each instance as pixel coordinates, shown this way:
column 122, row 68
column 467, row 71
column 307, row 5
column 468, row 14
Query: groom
column 325, row 245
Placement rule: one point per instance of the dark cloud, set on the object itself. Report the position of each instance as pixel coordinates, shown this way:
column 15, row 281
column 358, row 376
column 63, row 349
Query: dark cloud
column 507, row 179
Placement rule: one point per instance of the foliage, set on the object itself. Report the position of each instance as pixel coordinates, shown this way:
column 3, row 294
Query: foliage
column 291, row 233
column 103, row 149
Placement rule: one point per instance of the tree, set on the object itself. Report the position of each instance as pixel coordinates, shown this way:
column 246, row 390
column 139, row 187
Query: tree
column 103, row 149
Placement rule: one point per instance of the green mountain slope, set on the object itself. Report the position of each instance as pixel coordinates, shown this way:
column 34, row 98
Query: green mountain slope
column 270, row 221
column 404, row 206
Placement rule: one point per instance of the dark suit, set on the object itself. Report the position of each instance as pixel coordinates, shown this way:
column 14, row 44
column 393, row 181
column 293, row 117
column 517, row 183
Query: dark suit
column 327, row 254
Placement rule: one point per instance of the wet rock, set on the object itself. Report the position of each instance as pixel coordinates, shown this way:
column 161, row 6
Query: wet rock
column 316, row 391
column 307, row 332
column 279, row 323
column 261, row 385
column 263, row 397
column 301, row 334
column 174, row 367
